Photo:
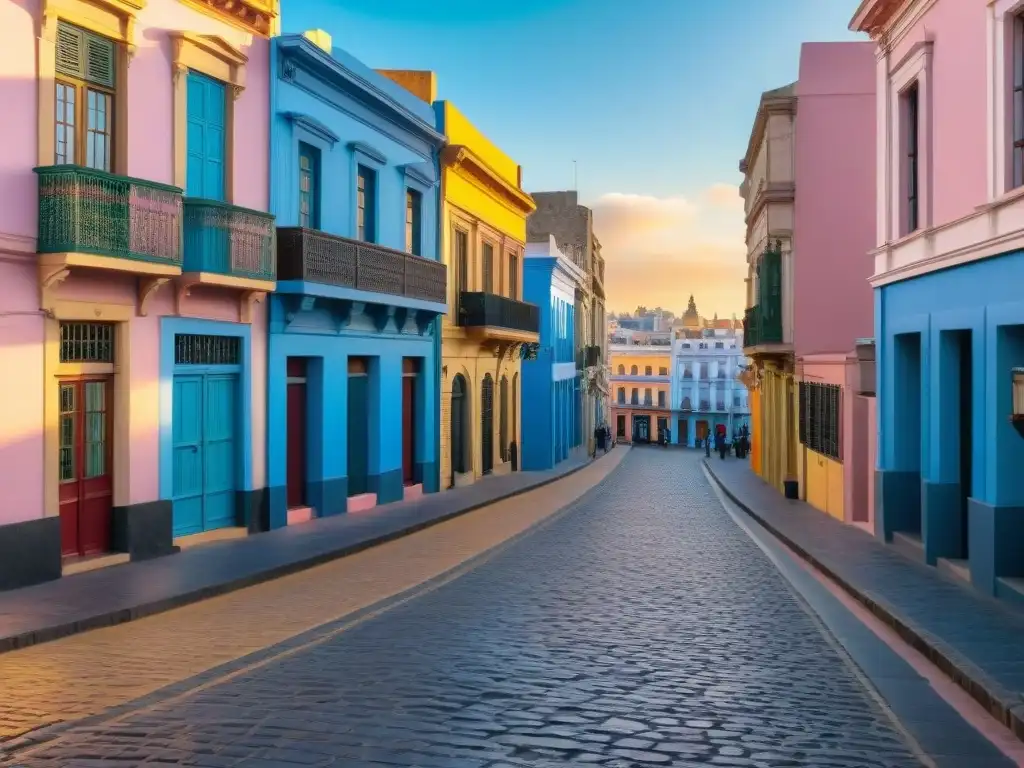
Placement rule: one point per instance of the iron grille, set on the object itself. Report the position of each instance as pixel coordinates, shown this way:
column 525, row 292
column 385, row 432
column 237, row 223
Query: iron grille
column 202, row 349
column 820, row 408
column 86, row 343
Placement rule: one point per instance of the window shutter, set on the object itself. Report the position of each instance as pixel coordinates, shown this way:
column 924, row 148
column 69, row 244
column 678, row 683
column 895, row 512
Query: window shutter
column 70, row 50
column 99, row 60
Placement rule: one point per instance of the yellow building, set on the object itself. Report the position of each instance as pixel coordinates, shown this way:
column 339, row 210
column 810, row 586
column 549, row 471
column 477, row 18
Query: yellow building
column 641, row 391
column 769, row 193
column 483, row 224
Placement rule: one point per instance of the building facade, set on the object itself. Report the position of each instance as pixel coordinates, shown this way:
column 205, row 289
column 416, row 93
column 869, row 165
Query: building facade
column 949, row 317
column 352, row 362
column 705, row 391
column 832, row 306
column 553, row 383
column 488, row 328
column 560, row 215
column 641, row 387
column 768, row 190
column 136, row 251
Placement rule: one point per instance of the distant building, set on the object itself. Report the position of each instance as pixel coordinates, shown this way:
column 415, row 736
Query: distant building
column 640, row 391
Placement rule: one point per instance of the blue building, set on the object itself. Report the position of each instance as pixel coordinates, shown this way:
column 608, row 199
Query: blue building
column 353, row 355
column 552, row 394
column 704, row 389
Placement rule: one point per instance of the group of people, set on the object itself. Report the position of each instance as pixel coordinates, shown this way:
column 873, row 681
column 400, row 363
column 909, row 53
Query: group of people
column 740, row 442
column 602, row 438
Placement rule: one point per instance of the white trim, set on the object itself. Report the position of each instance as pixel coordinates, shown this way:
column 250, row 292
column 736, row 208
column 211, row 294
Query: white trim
column 992, row 230
column 999, row 67
column 916, row 68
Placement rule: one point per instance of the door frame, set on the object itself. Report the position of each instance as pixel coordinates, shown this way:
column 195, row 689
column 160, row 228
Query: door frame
column 244, row 414
column 303, row 381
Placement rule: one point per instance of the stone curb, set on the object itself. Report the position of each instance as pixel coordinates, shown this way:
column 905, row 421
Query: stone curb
column 1002, row 704
column 124, row 615
column 213, row 676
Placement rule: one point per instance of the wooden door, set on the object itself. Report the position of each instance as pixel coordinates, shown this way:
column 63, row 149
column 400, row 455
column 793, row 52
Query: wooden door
column 296, row 440
column 487, row 425
column 458, row 426
column 358, row 426
column 86, row 465
column 409, row 429
column 702, row 430
column 681, row 432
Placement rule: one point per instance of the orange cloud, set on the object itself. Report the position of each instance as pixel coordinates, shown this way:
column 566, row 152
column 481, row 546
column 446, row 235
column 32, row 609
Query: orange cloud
column 660, row 250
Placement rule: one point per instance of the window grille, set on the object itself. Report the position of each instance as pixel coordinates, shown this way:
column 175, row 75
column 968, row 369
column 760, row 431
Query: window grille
column 86, row 343
column 820, row 409
column 202, row 349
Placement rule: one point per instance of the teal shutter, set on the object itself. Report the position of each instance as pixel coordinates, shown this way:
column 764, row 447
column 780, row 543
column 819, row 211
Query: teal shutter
column 70, row 51
column 85, row 56
column 205, row 138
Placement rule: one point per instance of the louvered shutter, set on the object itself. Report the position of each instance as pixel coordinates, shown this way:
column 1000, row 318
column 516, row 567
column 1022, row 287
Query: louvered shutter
column 84, row 56
column 99, row 60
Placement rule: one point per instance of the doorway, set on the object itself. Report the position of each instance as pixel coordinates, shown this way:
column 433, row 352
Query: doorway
column 410, row 373
column 963, row 342
column 86, row 463
column 662, row 426
column 296, row 437
column 358, row 434
column 620, row 426
column 641, row 429
column 503, row 419
column 487, row 425
column 702, row 430
column 459, row 420
column 681, row 431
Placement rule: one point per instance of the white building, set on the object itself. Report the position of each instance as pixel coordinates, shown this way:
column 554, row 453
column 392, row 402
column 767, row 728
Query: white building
column 705, row 391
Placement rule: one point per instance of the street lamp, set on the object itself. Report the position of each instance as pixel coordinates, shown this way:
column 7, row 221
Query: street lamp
column 1017, row 415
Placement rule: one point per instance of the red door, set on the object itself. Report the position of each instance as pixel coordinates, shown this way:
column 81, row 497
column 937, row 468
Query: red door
column 296, row 426
column 85, row 466
column 409, row 421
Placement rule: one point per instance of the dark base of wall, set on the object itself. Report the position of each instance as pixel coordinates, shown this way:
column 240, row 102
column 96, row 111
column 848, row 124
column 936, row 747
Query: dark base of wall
column 941, row 531
column 997, row 543
column 897, row 503
column 29, row 553
column 144, row 530
column 388, row 486
column 333, row 496
column 427, row 473
column 252, row 510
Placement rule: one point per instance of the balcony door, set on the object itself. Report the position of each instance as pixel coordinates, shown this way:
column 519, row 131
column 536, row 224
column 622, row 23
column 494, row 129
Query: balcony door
column 459, row 421
column 205, row 138
column 487, row 425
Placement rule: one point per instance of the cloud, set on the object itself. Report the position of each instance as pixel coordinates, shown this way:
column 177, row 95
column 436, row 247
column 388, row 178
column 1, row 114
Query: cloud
column 660, row 250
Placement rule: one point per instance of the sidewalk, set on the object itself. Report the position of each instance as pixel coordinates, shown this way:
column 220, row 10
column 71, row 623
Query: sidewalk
column 131, row 591
column 976, row 640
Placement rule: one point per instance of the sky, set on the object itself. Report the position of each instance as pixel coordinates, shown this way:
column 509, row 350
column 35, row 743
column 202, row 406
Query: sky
column 653, row 100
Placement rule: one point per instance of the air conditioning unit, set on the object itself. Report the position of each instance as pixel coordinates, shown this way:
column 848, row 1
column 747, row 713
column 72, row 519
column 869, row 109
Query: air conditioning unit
column 866, row 367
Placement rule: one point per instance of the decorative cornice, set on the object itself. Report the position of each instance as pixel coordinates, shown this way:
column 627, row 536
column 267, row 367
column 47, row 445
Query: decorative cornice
column 255, row 16
column 771, row 103
column 298, row 51
column 773, row 192
column 872, row 16
column 421, row 172
column 457, row 156
column 312, row 125
column 371, row 152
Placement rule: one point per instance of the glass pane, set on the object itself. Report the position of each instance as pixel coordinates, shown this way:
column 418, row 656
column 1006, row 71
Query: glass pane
column 67, row 433
column 97, row 144
column 1018, row 166
column 95, row 428
column 95, row 396
column 1018, row 52
column 1018, row 115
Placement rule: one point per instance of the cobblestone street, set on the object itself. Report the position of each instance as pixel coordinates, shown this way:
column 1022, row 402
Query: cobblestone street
column 642, row 628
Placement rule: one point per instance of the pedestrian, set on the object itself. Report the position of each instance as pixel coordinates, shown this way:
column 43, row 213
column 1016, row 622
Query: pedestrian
column 707, row 445
column 720, row 445
column 598, row 438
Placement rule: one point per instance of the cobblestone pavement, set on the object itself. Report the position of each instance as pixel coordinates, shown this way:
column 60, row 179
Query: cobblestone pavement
column 642, row 628
column 89, row 673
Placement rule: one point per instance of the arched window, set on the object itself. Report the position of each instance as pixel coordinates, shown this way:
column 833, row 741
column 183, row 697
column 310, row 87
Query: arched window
column 686, row 404
column 622, row 370
column 633, row 371
column 459, row 425
column 648, row 370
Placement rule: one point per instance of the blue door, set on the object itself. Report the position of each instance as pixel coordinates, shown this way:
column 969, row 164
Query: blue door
column 205, row 459
column 205, row 138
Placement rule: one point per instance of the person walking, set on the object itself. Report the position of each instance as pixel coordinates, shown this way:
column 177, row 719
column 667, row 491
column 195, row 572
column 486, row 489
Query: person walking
column 707, row 445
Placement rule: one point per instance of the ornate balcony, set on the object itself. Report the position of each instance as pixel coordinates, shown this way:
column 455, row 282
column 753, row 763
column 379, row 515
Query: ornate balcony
column 318, row 257
column 498, row 317
column 762, row 323
column 227, row 240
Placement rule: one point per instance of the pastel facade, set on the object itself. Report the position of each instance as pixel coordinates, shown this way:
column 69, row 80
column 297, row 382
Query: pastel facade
column 553, row 382
column 949, row 317
column 489, row 327
column 641, row 389
column 135, row 248
column 353, row 360
column 832, row 305
column 705, row 391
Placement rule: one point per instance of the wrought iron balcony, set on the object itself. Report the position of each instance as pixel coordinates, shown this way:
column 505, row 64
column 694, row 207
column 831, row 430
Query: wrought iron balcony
column 319, row 257
column 762, row 323
column 489, row 310
column 85, row 211
column 228, row 240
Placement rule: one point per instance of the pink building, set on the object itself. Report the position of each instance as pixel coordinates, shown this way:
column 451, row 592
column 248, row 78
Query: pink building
column 833, row 230
column 134, row 247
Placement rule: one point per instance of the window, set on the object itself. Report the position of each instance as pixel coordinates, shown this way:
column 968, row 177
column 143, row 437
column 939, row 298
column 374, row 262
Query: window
column 413, row 222
column 910, row 135
column 719, row 345
column 648, row 371
column 647, row 396
column 820, row 414
column 622, row 394
column 634, row 396
column 461, row 262
column 86, row 342
column 661, row 399
column 487, row 257
column 513, row 275
column 204, row 349
column 622, row 370
column 663, row 371
column 633, row 371
column 206, row 117
column 366, row 198
column 1018, row 101
column 620, row 426
column 84, row 98
column 309, row 186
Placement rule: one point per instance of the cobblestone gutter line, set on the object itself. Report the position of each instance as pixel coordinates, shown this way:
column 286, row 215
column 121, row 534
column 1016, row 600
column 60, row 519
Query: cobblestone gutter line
column 110, row 618
column 1003, row 704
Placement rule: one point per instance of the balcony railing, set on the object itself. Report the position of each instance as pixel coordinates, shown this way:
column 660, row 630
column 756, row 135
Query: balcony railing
column 318, row 257
column 82, row 210
column 229, row 240
column 762, row 323
column 477, row 309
